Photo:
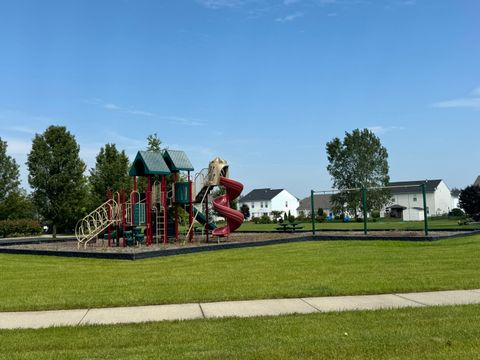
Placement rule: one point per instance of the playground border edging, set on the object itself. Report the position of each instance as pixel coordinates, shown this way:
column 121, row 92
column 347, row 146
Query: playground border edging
column 224, row 246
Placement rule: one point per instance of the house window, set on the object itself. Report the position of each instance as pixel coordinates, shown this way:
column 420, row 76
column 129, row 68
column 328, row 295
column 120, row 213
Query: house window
column 286, row 203
column 261, row 204
column 415, row 198
column 253, row 205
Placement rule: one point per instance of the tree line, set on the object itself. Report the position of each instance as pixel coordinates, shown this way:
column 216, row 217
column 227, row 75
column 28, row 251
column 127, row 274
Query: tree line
column 61, row 191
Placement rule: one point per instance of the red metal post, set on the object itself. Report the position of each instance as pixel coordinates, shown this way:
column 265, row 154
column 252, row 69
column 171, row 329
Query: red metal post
column 165, row 209
column 124, row 218
column 119, row 204
column 175, row 205
column 206, row 216
column 109, row 217
column 190, row 203
column 147, row 210
column 133, row 197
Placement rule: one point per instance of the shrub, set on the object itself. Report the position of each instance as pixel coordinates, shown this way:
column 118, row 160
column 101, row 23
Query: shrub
column 290, row 218
column 375, row 214
column 457, row 213
column 265, row 219
column 19, row 227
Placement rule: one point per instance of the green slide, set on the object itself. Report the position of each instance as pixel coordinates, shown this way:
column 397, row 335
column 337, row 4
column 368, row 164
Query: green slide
column 202, row 219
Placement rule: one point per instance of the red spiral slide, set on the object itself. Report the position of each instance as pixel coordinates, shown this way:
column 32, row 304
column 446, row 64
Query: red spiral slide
column 222, row 205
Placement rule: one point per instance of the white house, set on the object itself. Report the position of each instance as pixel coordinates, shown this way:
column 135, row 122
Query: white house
column 407, row 200
column 264, row 201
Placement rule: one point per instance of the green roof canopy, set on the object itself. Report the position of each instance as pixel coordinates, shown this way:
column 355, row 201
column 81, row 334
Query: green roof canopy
column 149, row 163
column 177, row 160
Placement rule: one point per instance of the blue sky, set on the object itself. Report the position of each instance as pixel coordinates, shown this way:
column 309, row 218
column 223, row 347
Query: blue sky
column 262, row 83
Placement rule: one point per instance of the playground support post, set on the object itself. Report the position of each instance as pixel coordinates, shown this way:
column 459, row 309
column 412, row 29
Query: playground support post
column 313, row 211
column 148, row 210
column 124, row 220
column 175, row 179
column 365, row 211
column 165, row 207
column 109, row 218
column 190, row 203
column 425, row 211
column 207, row 218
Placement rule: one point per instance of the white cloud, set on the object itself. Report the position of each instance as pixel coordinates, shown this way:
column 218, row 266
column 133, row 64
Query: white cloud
column 119, row 108
column 177, row 120
column 379, row 130
column 217, row 4
column 406, row 2
column 289, row 18
column 472, row 102
column 112, row 107
column 21, row 129
column 183, row 121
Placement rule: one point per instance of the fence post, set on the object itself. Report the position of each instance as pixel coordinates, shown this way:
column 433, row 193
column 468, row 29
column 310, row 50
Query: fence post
column 312, row 193
column 365, row 212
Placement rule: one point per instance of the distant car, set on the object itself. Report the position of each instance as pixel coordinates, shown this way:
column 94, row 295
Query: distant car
column 45, row 229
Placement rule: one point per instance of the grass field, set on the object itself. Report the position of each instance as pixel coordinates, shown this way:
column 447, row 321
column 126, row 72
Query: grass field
column 290, row 270
column 382, row 224
column 428, row 333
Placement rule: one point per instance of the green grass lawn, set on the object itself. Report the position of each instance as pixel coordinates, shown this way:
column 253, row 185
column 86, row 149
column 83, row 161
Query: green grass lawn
column 289, row 270
column 382, row 224
column 427, row 333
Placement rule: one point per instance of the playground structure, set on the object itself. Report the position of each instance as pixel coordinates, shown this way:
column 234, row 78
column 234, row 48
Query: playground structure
column 152, row 216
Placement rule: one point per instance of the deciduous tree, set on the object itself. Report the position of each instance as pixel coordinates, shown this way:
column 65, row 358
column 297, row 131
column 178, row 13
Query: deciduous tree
column 57, row 178
column 359, row 161
column 110, row 172
column 469, row 201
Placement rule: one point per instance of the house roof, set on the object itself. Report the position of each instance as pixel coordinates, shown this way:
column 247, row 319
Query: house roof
column 261, row 194
column 477, row 182
column 177, row 160
column 149, row 163
column 319, row 201
column 405, row 187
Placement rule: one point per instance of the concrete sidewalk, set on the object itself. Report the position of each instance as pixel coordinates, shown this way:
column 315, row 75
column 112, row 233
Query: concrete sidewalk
column 273, row 307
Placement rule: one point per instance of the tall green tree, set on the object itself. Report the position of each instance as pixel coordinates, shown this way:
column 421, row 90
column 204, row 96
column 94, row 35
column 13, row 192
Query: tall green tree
column 469, row 200
column 154, row 143
column 14, row 202
column 57, row 178
column 358, row 161
column 9, row 173
column 110, row 172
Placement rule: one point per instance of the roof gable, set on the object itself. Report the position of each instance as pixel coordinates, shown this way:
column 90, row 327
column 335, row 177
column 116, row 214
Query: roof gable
column 261, row 195
column 177, row 160
column 477, row 182
column 149, row 163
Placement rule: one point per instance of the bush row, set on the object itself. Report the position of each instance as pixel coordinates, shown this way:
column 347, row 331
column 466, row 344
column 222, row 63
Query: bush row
column 19, row 227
